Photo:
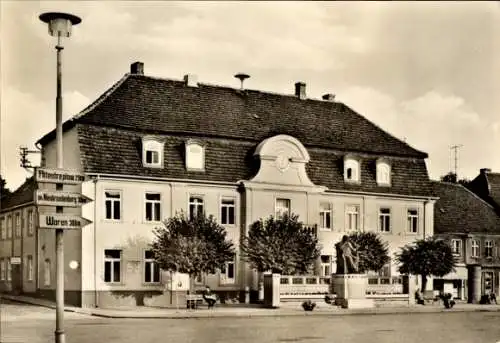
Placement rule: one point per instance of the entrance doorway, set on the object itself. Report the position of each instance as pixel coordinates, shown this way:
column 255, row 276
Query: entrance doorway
column 488, row 285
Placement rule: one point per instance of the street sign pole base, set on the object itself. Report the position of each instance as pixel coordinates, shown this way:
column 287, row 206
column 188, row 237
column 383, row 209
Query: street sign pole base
column 60, row 336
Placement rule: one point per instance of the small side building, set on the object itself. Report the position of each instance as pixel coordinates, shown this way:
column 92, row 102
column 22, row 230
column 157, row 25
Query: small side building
column 18, row 241
column 472, row 227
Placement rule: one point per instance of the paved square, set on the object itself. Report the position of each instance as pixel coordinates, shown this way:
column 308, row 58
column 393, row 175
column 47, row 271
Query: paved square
column 26, row 323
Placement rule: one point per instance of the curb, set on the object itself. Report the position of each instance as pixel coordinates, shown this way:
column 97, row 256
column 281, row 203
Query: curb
column 278, row 313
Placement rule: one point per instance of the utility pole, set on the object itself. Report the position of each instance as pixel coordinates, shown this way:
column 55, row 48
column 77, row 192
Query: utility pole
column 455, row 151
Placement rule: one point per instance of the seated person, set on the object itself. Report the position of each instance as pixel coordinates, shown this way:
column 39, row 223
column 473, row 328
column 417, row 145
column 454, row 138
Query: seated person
column 209, row 297
column 493, row 298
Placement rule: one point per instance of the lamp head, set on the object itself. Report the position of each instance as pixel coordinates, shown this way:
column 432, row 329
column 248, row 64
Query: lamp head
column 60, row 23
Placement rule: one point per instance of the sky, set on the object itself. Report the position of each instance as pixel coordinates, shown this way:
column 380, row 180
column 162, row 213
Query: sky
column 426, row 72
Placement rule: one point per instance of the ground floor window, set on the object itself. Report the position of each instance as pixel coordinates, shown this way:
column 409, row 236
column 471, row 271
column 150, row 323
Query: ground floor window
column 326, row 265
column 9, row 270
column 112, row 265
column 151, row 268
column 29, row 267
column 2, row 269
column 46, row 273
column 228, row 272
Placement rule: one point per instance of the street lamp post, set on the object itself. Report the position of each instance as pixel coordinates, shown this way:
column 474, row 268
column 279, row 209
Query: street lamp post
column 59, row 26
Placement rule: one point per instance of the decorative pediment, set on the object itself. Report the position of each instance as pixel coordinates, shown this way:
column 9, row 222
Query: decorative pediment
column 283, row 160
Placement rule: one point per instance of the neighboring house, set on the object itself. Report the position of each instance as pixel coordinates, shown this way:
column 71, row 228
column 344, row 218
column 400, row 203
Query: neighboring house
column 151, row 147
column 19, row 262
column 472, row 227
column 487, row 186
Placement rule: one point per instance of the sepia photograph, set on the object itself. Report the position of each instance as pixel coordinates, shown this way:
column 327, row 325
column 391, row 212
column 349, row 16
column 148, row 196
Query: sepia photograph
column 249, row 171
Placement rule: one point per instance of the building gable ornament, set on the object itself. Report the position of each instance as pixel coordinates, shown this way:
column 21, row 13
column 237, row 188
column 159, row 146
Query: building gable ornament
column 283, row 159
column 282, row 162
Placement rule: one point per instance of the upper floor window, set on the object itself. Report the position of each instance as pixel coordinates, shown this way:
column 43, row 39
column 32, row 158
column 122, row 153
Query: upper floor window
column 152, row 152
column 153, row 207
column 18, row 224
column 351, row 170
column 282, row 207
column 227, row 215
column 384, row 216
column 112, row 201
column 195, row 207
column 456, row 246
column 475, row 248
column 488, row 248
column 325, row 216
column 3, row 229
column 412, row 220
column 30, row 222
column 383, row 173
column 195, row 156
column 352, row 218
column 9, row 227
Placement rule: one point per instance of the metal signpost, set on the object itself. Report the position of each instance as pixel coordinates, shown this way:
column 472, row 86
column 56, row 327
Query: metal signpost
column 59, row 25
column 66, row 199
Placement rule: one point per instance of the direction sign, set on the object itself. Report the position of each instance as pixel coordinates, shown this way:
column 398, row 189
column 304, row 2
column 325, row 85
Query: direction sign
column 64, row 176
column 62, row 221
column 65, row 199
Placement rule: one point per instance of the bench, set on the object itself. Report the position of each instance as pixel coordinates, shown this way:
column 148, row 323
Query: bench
column 195, row 300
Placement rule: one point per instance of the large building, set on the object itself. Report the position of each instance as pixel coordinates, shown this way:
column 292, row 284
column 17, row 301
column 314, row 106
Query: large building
column 151, row 147
column 472, row 228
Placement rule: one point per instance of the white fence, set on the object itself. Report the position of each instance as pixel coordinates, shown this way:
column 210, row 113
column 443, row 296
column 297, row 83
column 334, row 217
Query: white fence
column 292, row 286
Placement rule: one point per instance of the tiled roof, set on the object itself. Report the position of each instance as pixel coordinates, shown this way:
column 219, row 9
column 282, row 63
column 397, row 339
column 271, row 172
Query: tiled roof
column 118, row 151
column 148, row 104
column 487, row 186
column 458, row 210
column 494, row 182
column 24, row 194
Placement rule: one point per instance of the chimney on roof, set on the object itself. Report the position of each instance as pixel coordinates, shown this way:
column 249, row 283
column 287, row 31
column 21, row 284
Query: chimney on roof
column 329, row 97
column 300, row 90
column 484, row 170
column 191, row 80
column 137, row 68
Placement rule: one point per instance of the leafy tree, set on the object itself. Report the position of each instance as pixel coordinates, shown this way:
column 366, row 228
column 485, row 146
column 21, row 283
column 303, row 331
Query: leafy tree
column 281, row 245
column 4, row 191
column 450, row 177
column 372, row 251
column 426, row 257
column 192, row 246
column 453, row 178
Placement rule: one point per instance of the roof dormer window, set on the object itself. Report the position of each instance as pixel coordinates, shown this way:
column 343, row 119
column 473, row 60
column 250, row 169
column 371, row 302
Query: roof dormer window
column 195, row 156
column 383, row 173
column 152, row 152
column 351, row 170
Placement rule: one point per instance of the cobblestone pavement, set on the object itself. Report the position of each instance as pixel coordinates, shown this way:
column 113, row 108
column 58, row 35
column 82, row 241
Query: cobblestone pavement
column 33, row 324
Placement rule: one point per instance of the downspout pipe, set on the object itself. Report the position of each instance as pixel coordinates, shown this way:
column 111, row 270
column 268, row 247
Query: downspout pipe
column 96, row 294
